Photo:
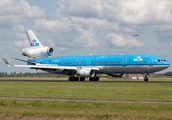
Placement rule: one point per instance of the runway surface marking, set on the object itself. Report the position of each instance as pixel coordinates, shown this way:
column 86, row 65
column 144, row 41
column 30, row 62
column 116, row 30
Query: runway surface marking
column 76, row 100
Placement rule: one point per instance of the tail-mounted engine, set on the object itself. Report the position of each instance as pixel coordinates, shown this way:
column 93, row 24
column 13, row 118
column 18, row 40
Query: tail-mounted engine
column 34, row 52
column 37, row 50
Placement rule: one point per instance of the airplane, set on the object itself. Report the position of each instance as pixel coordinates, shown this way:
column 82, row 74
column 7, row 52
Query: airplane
column 135, row 35
column 88, row 66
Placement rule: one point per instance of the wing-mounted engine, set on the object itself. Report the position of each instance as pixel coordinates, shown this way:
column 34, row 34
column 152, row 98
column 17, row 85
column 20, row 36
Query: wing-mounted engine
column 86, row 73
column 37, row 52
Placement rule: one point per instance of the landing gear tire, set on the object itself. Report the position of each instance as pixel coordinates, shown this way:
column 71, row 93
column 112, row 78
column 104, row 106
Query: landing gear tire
column 73, row 78
column 91, row 79
column 82, row 78
column 76, row 79
column 94, row 78
column 97, row 78
column 146, row 79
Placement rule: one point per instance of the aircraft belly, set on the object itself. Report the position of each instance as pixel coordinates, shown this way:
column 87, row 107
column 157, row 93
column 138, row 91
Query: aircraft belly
column 143, row 68
column 123, row 69
column 118, row 69
column 111, row 69
column 132, row 69
column 140, row 69
column 136, row 69
column 156, row 68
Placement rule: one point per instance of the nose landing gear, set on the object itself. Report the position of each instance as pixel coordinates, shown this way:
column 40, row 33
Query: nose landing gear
column 146, row 78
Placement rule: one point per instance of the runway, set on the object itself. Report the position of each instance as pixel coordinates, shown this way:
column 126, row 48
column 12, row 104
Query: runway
column 77, row 100
column 85, row 81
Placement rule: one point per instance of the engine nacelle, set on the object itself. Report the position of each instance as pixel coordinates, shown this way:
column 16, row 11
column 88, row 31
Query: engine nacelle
column 86, row 73
column 37, row 52
column 119, row 75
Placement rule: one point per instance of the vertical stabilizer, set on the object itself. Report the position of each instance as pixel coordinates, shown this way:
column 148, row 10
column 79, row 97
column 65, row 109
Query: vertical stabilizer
column 34, row 42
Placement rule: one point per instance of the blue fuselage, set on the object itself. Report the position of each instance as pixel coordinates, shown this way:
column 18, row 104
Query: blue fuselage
column 129, row 63
column 101, row 60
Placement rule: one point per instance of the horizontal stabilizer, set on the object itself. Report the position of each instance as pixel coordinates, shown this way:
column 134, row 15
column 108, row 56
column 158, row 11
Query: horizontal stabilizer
column 24, row 60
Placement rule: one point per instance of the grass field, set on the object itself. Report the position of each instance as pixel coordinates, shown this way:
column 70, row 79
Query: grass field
column 52, row 110
column 87, row 90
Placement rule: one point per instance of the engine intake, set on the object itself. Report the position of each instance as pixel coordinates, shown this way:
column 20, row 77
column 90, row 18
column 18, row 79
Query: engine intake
column 86, row 73
column 38, row 52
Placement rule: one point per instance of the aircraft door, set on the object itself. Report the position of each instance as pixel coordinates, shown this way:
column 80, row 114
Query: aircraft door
column 88, row 63
column 47, row 62
column 124, row 62
column 151, row 62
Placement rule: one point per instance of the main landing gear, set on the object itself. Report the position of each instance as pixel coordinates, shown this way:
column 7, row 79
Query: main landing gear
column 73, row 78
column 146, row 78
column 94, row 78
column 83, row 79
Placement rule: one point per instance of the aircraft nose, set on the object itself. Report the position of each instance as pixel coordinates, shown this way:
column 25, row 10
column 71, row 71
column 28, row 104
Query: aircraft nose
column 167, row 64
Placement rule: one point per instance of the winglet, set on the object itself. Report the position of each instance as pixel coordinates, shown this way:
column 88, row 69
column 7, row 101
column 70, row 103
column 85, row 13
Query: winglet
column 6, row 62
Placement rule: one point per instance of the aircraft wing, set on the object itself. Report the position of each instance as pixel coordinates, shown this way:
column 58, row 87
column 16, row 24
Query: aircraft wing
column 49, row 66
column 42, row 66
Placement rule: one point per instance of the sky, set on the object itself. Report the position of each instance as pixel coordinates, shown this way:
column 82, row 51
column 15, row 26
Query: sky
column 84, row 27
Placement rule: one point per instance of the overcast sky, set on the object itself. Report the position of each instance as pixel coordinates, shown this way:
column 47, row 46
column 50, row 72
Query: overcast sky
column 84, row 27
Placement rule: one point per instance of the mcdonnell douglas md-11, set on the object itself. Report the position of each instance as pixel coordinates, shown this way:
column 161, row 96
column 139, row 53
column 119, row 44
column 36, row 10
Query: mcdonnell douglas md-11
column 81, row 67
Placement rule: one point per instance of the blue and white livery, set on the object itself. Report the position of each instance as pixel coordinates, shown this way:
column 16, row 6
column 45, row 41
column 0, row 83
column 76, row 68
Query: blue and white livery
column 88, row 66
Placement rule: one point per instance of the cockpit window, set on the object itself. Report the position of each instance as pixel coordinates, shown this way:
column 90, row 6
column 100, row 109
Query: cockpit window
column 160, row 60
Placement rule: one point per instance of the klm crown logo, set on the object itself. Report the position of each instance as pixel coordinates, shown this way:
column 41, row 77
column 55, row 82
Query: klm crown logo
column 138, row 58
column 34, row 43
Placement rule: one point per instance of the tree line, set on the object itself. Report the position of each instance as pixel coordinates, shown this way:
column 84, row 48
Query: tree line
column 44, row 74
column 28, row 74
